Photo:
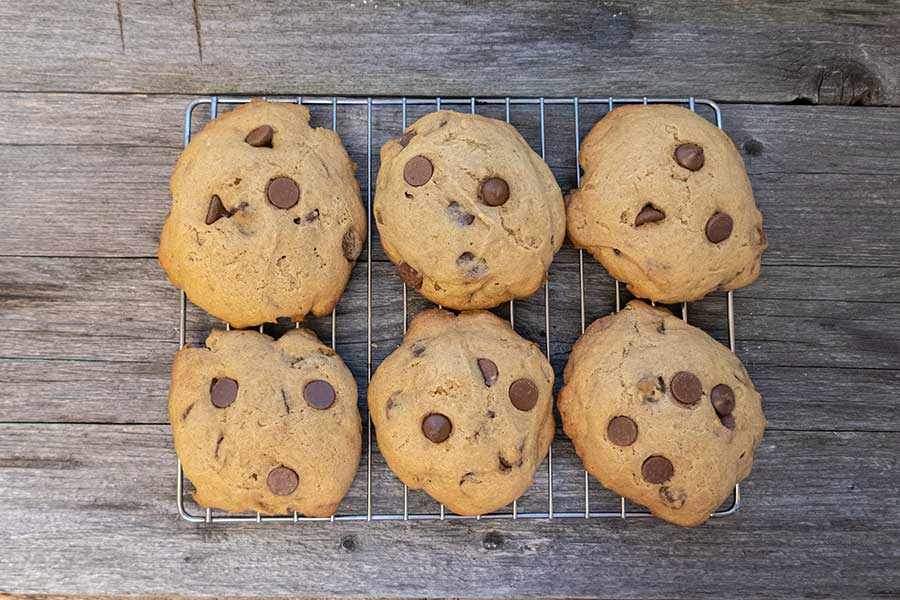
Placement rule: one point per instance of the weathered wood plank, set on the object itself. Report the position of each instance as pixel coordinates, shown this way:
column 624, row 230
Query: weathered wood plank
column 833, row 52
column 104, row 190
column 819, row 341
column 74, row 499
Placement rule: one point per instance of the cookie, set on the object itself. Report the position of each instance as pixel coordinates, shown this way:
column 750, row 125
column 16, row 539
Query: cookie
column 665, row 204
column 264, row 425
column 464, row 410
column 266, row 217
column 468, row 212
column 660, row 412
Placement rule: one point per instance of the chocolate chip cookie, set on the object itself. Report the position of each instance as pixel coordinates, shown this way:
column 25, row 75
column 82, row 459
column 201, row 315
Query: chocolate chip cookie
column 265, row 425
column 665, row 204
column 266, row 216
column 468, row 212
column 660, row 412
column 464, row 410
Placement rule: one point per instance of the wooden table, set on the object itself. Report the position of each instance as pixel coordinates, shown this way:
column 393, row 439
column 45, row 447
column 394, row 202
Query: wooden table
column 90, row 127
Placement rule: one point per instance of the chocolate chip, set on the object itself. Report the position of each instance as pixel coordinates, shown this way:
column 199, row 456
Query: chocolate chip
column 223, row 392
column 505, row 465
column 456, row 213
column 727, row 421
column 404, row 139
column 418, row 171
column 319, row 394
column 282, row 481
column 722, row 398
column 718, row 228
column 464, row 258
column 689, row 156
column 260, row 137
column 686, row 387
column 489, row 371
column 282, row 192
column 477, row 270
column 617, row 252
column 671, row 497
column 409, row 275
column 649, row 214
column 216, row 211
column 311, row 216
column 523, row 394
column 348, row 245
column 437, row 427
column 418, row 349
column 622, row 431
column 657, row 469
column 494, row 191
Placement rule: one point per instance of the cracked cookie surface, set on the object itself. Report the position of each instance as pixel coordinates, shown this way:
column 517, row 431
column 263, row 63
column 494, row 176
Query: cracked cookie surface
column 467, row 210
column 266, row 218
column 660, row 412
column 665, row 204
column 464, row 410
column 265, row 425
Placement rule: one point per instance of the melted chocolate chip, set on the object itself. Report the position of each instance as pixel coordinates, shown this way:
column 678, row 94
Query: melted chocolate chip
column 418, row 171
column 282, row 481
column 719, row 227
column 223, row 392
column 216, row 211
column 622, row 431
column 523, row 394
column 686, row 388
column 649, row 214
column 418, row 349
column 494, row 191
column 319, row 394
column 348, row 245
column 722, row 398
column 489, row 371
column 464, row 259
column 690, row 156
column 456, row 213
column 261, row 137
column 410, row 276
column 671, row 497
column 406, row 137
column 282, row 192
column 436, row 427
column 657, row 469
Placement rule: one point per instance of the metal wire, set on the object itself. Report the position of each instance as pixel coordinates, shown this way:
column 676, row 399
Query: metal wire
column 335, row 102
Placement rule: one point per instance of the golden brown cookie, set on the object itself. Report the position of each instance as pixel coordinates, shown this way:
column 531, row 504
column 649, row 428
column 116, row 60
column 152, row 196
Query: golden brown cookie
column 665, row 204
column 266, row 218
column 468, row 212
column 464, row 410
column 660, row 412
column 265, row 425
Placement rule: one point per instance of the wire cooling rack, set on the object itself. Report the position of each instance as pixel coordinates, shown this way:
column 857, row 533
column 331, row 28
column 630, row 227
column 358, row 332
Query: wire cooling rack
column 472, row 104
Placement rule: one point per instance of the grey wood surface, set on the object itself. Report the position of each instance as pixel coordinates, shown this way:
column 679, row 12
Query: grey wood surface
column 91, row 110
column 835, row 52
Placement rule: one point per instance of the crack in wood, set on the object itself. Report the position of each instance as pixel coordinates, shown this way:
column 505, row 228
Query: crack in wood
column 121, row 27
column 197, row 29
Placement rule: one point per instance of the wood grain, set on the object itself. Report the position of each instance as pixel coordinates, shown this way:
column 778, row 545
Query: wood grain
column 87, row 182
column 825, row 52
column 89, row 509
